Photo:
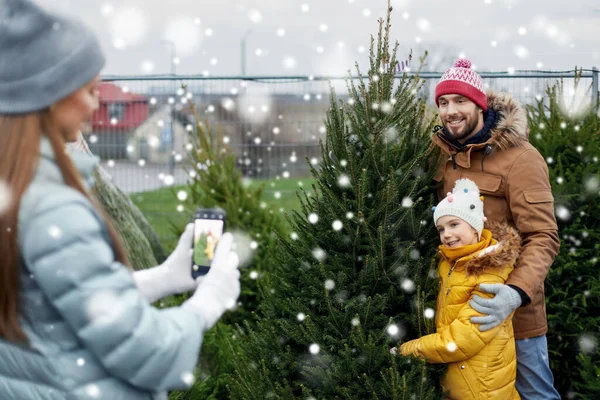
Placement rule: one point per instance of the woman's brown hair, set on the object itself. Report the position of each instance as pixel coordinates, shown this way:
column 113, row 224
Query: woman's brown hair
column 20, row 137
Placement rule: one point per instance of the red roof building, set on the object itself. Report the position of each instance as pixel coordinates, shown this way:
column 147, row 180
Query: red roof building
column 119, row 110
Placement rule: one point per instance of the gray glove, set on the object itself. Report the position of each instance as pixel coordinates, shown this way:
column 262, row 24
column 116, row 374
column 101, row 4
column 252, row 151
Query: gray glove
column 498, row 308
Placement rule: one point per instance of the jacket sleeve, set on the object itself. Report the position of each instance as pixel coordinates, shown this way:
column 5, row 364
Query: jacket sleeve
column 460, row 340
column 529, row 196
column 64, row 247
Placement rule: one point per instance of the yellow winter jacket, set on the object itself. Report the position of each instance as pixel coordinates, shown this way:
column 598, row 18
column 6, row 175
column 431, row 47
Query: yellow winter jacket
column 482, row 365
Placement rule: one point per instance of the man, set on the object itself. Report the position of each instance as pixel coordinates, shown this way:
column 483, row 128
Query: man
column 485, row 138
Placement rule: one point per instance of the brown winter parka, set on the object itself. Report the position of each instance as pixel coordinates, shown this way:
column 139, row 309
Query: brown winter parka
column 513, row 178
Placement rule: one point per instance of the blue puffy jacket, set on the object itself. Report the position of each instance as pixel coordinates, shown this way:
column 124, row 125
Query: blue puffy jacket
column 91, row 333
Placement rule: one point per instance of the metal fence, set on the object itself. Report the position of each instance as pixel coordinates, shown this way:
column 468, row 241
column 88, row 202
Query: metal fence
column 272, row 123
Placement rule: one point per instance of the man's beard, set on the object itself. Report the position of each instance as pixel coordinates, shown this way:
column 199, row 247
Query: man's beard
column 470, row 125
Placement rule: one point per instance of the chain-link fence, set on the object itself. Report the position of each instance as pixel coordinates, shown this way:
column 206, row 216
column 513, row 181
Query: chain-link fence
column 273, row 124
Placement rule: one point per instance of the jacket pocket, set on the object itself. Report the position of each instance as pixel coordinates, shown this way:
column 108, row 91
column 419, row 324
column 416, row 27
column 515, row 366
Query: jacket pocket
column 487, row 183
column 538, row 196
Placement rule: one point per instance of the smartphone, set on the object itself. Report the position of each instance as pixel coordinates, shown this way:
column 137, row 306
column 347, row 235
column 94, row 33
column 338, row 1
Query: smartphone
column 209, row 225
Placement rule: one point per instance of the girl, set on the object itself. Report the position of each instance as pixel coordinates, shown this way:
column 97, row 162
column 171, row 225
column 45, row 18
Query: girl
column 482, row 365
column 75, row 322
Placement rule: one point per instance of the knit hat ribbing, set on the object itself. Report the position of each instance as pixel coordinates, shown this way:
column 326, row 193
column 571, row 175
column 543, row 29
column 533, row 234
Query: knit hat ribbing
column 461, row 79
column 45, row 57
column 465, row 203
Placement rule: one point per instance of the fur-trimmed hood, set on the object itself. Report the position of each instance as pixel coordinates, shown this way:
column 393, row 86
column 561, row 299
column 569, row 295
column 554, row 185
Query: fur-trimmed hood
column 500, row 255
column 511, row 127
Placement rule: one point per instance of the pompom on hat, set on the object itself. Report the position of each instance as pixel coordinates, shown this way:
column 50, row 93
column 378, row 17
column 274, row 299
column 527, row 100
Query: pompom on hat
column 461, row 79
column 464, row 202
column 44, row 57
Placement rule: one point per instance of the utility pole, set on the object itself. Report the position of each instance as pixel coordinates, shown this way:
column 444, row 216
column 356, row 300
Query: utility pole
column 173, row 55
column 243, row 52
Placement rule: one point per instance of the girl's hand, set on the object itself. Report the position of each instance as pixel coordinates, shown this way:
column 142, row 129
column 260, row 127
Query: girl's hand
column 410, row 348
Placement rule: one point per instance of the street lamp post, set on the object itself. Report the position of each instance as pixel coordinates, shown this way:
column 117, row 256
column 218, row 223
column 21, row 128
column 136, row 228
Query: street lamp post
column 243, row 51
column 173, row 55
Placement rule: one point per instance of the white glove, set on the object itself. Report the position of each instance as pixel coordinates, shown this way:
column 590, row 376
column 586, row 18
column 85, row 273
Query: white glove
column 498, row 308
column 174, row 276
column 220, row 288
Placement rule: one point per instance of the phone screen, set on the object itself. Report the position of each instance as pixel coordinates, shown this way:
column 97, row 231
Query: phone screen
column 207, row 233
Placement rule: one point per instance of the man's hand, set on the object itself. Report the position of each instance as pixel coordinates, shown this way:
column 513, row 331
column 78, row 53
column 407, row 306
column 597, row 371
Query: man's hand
column 498, row 308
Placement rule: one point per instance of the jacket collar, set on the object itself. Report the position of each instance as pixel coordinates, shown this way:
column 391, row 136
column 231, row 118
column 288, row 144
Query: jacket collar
column 501, row 251
column 510, row 129
column 48, row 169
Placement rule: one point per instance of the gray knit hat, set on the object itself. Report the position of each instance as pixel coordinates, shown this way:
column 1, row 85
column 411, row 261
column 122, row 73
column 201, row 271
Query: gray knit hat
column 465, row 203
column 43, row 57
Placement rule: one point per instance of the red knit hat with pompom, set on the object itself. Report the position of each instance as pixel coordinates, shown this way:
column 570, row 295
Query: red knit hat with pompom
column 461, row 79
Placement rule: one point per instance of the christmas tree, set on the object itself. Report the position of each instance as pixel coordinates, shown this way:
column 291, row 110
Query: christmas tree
column 348, row 283
column 215, row 181
column 567, row 134
column 139, row 238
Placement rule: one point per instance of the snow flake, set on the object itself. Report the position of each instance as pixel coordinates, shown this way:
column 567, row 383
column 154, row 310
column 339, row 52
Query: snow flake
column 521, row 52
column 93, row 391
column 451, row 347
column 343, row 181
column 563, row 212
column 255, row 16
column 329, row 284
column 319, row 254
column 407, row 202
column 314, row 349
column 588, row 343
column 337, row 225
column 424, row 25
column 393, row 330
column 313, row 218
column 182, row 195
column 349, row 215
column 408, row 285
column 80, row 362
column 592, row 184
column 184, row 34
column 253, row 274
column 188, row 378
column 301, row 317
column 104, row 308
column 169, row 180
column 429, row 313
column 128, row 26
column 55, row 232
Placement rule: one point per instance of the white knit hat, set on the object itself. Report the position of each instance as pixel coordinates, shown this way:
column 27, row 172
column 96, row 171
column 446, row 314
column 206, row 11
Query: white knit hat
column 465, row 203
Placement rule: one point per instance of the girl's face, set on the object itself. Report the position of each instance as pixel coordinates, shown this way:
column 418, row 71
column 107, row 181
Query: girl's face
column 72, row 111
column 455, row 232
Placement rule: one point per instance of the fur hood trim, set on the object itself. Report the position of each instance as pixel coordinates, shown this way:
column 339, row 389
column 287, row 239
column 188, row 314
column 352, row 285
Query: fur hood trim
column 500, row 255
column 511, row 127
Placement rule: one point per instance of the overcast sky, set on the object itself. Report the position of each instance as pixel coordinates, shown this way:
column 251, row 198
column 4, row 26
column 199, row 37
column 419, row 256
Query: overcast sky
column 326, row 37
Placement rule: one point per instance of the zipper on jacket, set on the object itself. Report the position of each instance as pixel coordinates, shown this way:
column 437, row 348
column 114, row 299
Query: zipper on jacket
column 447, row 291
column 486, row 152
